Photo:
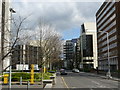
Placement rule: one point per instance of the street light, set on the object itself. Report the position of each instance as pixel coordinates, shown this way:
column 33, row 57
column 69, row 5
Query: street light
column 10, row 68
column 12, row 10
column 108, row 73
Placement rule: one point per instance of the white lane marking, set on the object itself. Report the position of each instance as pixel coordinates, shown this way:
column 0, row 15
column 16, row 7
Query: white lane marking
column 99, row 85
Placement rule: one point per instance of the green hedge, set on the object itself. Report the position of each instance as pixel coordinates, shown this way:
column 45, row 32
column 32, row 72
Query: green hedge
column 16, row 76
column 27, row 76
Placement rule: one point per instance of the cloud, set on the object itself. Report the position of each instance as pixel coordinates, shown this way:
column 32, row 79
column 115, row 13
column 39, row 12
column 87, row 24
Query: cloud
column 63, row 15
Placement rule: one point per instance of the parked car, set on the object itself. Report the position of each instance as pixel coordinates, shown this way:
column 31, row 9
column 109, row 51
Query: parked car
column 63, row 72
column 51, row 71
column 75, row 70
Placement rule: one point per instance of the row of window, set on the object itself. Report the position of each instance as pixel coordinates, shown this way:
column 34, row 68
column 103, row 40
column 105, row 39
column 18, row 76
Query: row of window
column 102, row 38
column 111, row 53
column 105, row 36
column 106, row 10
column 113, row 45
column 104, row 43
column 108, row 20
column 102, row 9
column 110, row 39
column 112, row 31
column 113, row 38
column 104, row 49
column 107, row 28
column 105, row 6
column 105, row 62
column 114, row 52
column 104, row 55
column 113, row 23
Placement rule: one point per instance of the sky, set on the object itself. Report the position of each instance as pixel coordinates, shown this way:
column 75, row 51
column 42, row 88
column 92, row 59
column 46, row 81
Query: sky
column 66, row 16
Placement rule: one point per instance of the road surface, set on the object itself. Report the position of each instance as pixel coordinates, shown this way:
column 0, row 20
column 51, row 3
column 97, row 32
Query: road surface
column 85, row 80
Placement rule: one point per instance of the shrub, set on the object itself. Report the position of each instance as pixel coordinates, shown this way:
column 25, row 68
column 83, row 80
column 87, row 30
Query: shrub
column 16, row 76
column 27, row 76
column 37, row 75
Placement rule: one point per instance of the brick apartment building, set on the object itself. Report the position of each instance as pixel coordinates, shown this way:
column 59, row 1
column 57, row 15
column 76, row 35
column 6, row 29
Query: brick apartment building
column 108, row 21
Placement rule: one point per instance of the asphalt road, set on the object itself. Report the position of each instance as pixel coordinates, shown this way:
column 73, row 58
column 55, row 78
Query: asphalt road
column 83, row 80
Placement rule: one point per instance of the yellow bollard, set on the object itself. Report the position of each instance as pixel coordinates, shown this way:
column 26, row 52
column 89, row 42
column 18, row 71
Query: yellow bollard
column 32, row 74
column 44, row 70
column 6, row 79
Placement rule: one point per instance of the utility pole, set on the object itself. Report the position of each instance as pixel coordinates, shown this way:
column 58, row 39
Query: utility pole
column 10, row 68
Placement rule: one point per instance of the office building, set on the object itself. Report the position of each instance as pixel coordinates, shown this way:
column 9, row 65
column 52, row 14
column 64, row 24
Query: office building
column 88, row 46
column 25, row 55
column 108, row 21
column 71, row 54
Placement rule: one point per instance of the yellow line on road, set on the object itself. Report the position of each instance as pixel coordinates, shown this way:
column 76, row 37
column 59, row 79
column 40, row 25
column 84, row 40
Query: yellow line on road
column 65, row 83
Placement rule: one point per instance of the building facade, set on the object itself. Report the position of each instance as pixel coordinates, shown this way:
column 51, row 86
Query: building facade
column 25, row 55
column 4, row 31
column 88, row 46
column 108, row 22
column 0, row 34
column 68, row 54
column 71, row 54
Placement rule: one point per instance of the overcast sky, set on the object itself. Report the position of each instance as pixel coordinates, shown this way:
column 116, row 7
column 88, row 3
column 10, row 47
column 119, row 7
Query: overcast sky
column 67, row 17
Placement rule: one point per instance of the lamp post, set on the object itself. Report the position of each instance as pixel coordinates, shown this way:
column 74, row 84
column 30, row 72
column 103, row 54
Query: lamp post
column 10, row 68
column 109, row 71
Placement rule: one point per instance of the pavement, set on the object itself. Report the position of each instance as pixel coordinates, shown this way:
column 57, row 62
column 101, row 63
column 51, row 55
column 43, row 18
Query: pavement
column 15, row 86
column 102, row 76
column 59, row 82
column 22, row 86
column 89, row 81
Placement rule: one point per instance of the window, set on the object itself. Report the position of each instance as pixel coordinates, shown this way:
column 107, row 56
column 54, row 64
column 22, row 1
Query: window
column 106, row 29
column 88, row 51
column 108, row 20
column 106, row 10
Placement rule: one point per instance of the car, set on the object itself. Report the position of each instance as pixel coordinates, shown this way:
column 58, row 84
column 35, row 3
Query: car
column 75, row 70
column 63, row 72
column 51, row 71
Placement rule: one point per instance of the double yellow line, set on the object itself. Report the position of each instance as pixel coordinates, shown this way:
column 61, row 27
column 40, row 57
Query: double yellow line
column 65, row 83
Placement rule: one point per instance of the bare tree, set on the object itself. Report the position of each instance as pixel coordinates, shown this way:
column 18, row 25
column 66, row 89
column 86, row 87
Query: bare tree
column 49, row 40
column 15, row 37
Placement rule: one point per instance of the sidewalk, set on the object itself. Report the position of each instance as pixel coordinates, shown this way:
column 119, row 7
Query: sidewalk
column 59, row 83
column 102, row 76
column 22, row 86
column 23, row 83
